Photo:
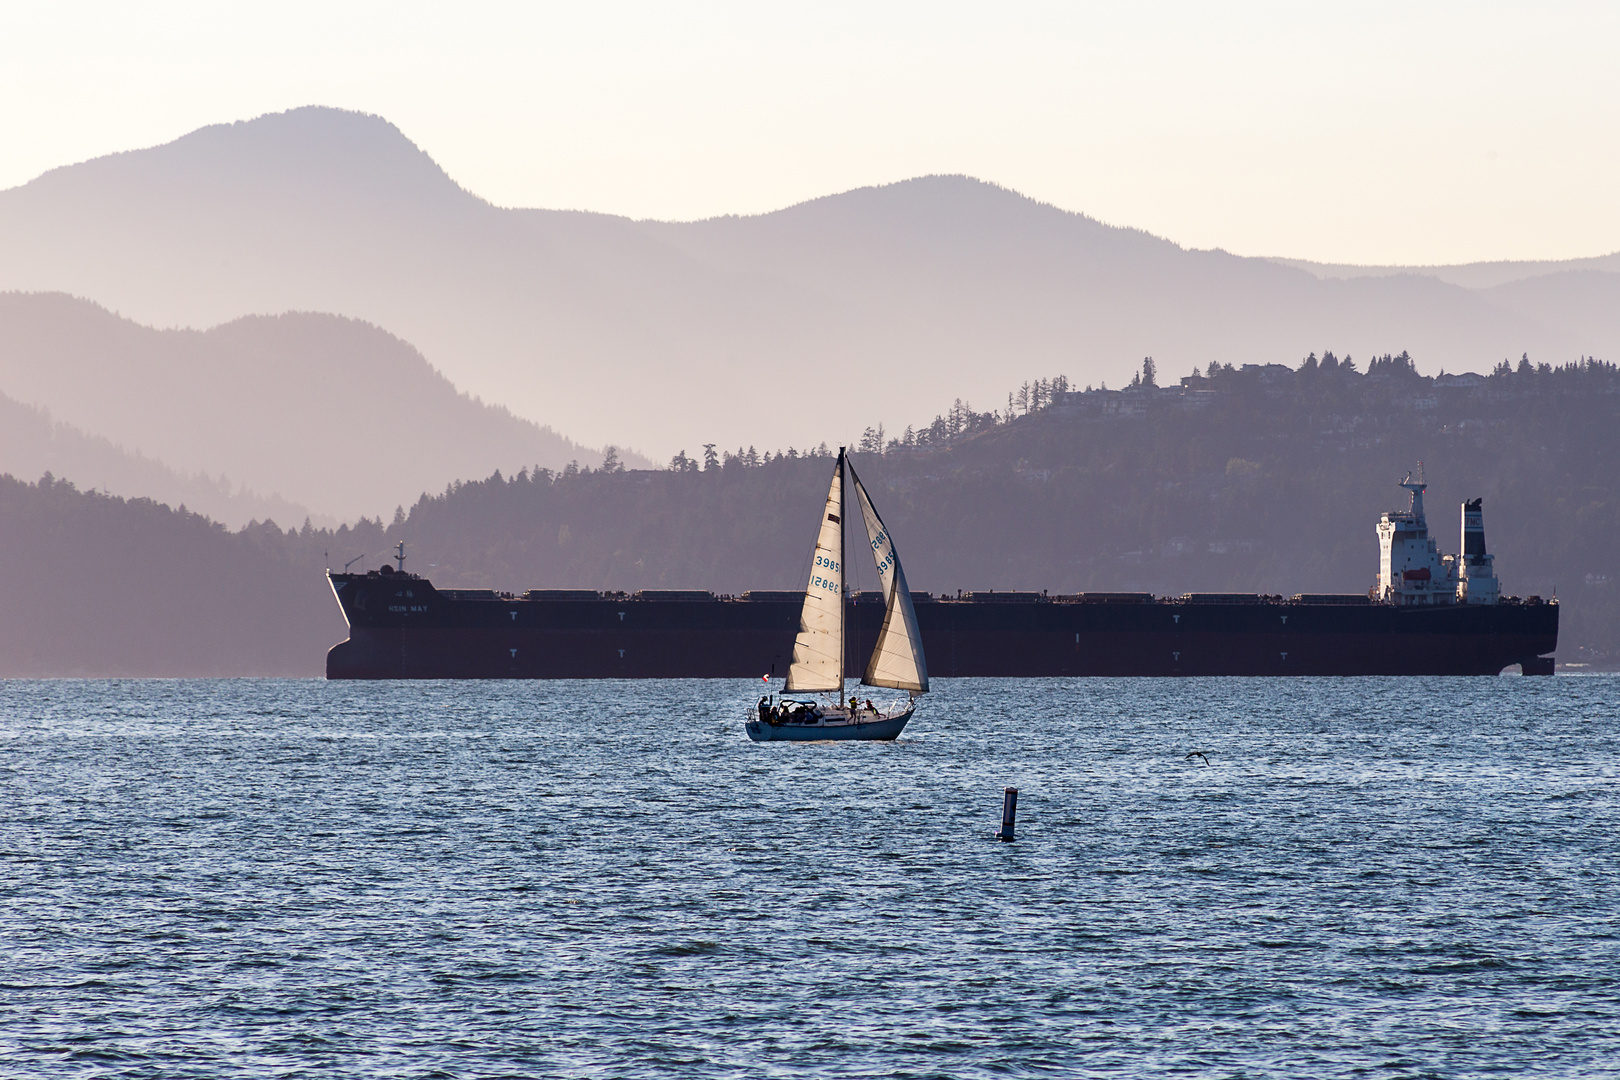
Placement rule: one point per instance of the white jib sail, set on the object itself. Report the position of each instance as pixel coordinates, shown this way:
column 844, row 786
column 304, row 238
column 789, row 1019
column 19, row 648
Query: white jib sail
column 818, row 651
column 897, row 659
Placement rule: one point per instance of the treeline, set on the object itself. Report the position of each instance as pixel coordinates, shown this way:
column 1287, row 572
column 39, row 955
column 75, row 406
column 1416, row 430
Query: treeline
column 959, row 422
column 1329, row 381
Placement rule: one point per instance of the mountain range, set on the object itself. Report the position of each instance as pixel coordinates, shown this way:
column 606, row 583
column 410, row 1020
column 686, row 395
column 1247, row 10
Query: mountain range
column 286, row 414
column 794, row 327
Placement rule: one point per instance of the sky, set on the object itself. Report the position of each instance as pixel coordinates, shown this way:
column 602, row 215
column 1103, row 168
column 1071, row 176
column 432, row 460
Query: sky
column 1383, row 133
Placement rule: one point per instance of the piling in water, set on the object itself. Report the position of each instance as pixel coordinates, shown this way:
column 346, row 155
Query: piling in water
column 1009, row 812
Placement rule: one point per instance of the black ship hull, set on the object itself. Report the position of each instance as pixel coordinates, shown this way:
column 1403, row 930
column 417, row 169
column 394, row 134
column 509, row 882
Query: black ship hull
column 403, row 628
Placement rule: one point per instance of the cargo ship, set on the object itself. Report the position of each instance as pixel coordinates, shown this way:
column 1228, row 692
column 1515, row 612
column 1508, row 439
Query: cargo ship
column 1428, row 614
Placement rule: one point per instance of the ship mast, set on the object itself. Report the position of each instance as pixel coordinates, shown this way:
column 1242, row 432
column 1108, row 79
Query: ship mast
column 1417, row 488
column 843, row 575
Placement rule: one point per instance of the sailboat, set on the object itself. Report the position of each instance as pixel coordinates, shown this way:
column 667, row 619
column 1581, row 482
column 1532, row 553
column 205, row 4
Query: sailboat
column 818, row 652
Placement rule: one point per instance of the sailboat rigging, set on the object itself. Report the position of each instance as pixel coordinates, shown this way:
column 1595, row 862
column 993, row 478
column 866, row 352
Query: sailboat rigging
column 818, row 652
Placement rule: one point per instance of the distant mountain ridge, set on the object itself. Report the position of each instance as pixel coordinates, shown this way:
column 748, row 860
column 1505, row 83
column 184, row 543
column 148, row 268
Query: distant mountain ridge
column 1480, row 275
column 795, row 327
column 327, row 412
column 33, row 444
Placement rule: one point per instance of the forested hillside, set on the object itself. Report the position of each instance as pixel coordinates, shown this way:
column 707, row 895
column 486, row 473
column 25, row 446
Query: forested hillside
column 95, row 585
column 1266, row 479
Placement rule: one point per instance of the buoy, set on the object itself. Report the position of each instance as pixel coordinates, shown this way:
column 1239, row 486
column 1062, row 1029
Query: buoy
column 1009, row 812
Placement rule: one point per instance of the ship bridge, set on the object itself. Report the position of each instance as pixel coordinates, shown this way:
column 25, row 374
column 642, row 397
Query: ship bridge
column 1411, row 569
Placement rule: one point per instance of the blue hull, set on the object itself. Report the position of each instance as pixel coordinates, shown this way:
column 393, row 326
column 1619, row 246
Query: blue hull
column 884, row 730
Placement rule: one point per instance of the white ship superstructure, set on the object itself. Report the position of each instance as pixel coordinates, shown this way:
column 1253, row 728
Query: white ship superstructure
column 1411, row 569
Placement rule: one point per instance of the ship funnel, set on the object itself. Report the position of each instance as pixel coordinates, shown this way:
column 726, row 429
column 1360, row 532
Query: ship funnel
column 1477, row 582
column 1473, row 528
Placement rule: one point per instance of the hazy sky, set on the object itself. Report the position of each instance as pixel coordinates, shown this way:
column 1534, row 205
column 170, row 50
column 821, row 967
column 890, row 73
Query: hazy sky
column 1366, row 132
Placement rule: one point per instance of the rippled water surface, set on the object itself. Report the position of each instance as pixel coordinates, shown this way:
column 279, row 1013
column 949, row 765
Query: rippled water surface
column 1369, row 878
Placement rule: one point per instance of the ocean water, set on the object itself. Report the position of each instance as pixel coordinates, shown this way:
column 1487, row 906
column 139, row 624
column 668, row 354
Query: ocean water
column 1368, row 878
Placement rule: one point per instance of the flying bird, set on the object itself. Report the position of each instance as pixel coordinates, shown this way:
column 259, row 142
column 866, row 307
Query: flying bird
column 1198, row 754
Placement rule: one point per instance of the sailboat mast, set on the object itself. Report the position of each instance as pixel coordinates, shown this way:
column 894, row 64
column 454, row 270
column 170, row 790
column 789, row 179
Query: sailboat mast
column 843, row 576
column 843, row 483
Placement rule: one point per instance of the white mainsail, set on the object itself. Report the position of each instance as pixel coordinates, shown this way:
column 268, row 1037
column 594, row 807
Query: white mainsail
column 897, row 660
column 818, row 651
